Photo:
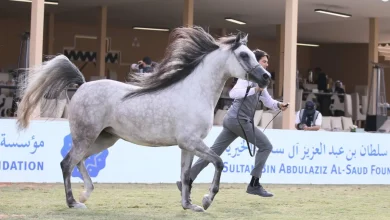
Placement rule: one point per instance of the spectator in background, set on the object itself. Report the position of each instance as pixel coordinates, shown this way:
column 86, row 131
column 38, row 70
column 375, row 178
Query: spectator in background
column 322, row 84
column 308, row 119
column 322, row 79
column 144, row 66
column 339, row 87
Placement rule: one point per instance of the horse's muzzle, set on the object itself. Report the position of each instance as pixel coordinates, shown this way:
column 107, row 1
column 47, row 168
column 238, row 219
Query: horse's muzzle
column 261, row 76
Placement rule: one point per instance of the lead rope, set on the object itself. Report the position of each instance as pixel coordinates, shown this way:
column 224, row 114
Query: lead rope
column 252, row 121
column 243, row 130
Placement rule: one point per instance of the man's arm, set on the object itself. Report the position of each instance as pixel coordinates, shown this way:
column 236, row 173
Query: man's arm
column 238, row 91
column 317, row 124
column 268, row 101
column 314, row 128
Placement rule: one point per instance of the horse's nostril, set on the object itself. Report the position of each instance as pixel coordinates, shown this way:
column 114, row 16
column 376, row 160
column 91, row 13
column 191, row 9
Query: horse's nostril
column 265, row 76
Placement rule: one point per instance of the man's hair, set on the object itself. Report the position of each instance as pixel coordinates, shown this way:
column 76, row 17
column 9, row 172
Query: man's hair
column 259, row 54
column 147, row 60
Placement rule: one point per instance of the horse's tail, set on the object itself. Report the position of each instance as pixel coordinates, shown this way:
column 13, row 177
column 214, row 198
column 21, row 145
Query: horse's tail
column 47, row 80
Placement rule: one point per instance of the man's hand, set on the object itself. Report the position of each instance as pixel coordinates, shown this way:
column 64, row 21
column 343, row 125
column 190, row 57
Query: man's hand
column 283, row 106
column 314, row 128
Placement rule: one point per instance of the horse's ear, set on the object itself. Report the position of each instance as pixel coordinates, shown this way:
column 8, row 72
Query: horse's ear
column 238, row 38
column 244, row 40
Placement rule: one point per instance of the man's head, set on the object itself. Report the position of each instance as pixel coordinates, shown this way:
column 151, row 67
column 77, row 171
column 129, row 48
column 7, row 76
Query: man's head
column 307, row 117
column 262, row 57
column 310, row 107
column 338, row 84
column 147, row 60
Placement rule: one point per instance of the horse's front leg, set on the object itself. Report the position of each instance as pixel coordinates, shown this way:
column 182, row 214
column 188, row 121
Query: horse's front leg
column 201, row 150
column 186, row 161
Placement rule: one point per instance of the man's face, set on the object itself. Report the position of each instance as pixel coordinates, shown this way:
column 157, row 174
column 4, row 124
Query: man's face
column 264, row 62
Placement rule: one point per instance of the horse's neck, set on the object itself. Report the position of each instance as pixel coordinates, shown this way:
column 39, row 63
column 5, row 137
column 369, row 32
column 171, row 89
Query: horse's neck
column 209, row 78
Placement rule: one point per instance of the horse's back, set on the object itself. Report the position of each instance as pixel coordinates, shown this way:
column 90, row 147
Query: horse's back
column 105, row 87
column 98, row 97
column 109, row 83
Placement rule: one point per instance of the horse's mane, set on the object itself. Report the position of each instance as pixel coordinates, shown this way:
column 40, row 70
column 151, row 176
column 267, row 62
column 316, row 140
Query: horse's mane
column 187, row 48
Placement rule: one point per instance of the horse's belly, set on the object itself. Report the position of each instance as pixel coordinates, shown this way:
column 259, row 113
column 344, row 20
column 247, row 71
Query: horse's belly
column 159, row 120
column 144, row 137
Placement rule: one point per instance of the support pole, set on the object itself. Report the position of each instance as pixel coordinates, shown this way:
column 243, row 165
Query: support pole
column 36, row 40
column 280, row 74
column 372, row 45
column 36, row 32
column 290, row 58
column 101, row 54
column 51, row 34
column 188, row 13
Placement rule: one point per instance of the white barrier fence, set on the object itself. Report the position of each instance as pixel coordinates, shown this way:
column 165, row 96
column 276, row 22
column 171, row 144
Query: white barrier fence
column 298, row 157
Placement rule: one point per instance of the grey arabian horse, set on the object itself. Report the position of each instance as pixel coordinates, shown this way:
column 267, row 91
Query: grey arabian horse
column 172, row 106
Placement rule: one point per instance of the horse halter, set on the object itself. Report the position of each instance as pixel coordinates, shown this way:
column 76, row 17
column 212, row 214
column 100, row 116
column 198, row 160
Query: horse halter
column 248, row 71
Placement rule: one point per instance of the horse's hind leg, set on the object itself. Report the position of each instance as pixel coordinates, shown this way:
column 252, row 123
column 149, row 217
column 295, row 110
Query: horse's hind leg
column 74, row 156
column 88, row 185
column 186, row 161
column 201, row 150
column 82, row 140
column 104, row 141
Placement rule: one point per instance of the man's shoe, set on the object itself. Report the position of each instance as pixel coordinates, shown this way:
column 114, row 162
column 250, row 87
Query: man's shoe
column 258, row 190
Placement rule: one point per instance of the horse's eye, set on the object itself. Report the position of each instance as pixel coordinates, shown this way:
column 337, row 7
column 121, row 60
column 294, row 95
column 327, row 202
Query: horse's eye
column 244, row 55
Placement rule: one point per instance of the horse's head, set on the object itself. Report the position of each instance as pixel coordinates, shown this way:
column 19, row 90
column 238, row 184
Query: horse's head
column 243, row 64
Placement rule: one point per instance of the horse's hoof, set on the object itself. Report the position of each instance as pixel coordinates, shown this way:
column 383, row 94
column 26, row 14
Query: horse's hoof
column 78, row 205
column 206, row 202
column 194, row 208
column 84, row 197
